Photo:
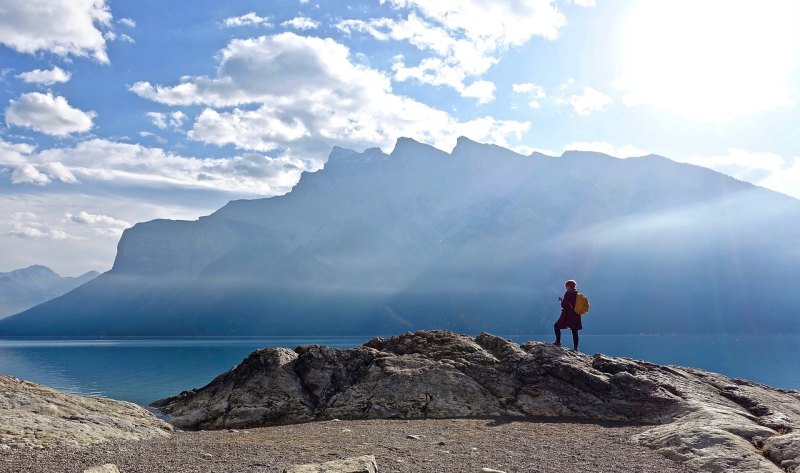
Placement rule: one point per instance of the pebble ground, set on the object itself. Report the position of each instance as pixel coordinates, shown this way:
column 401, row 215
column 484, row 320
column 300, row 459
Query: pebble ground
column 460, row 445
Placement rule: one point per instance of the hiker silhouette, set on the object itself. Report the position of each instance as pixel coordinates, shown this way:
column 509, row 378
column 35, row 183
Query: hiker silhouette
column 569, row 318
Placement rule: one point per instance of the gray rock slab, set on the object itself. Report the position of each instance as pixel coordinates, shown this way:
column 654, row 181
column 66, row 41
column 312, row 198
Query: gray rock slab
column 35, row 416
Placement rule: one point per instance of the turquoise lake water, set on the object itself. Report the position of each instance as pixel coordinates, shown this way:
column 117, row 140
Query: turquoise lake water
column 142, row 370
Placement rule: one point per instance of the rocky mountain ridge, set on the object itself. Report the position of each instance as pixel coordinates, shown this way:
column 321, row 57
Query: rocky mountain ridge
column 707, row 420
column 421, row 238
column 24, row 288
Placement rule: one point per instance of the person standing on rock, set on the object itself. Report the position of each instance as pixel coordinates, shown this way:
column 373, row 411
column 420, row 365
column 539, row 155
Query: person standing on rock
column 569, row 318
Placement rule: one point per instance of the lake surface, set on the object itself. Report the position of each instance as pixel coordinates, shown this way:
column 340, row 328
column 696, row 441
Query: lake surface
column 142, row 370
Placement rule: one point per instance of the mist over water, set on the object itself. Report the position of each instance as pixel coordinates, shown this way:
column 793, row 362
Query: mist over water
column 142, row 370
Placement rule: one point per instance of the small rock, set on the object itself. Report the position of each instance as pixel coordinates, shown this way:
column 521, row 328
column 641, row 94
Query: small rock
column 441, row 444
column 206, row 456
column 414, row 437
column 107, row 468
column 346, row 430
column 490, row 470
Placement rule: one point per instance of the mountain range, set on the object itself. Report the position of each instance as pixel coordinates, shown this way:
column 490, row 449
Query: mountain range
column 24, row 288
column 478, row 239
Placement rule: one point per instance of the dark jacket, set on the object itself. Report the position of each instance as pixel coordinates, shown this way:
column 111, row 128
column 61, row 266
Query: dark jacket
column 569, row 318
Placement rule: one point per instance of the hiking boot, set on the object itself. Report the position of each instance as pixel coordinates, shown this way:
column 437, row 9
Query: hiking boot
column 575, row 349
column 558, row 344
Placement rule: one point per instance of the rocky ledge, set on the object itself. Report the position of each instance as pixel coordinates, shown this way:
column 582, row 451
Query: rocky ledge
column 35, row 416
column 704, row 419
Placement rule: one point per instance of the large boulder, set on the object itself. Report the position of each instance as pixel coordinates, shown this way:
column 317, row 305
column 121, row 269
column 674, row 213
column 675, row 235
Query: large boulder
column 710, row 421
column 35, row 416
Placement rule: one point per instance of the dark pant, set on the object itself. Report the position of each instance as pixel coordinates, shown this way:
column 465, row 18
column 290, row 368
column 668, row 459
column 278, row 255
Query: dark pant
column 574, row 335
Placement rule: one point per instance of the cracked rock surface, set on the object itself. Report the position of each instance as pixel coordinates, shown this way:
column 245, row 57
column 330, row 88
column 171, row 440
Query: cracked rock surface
column 704, row 419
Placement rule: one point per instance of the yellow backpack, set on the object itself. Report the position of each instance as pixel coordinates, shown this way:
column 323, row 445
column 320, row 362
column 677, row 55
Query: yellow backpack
column 581, row 304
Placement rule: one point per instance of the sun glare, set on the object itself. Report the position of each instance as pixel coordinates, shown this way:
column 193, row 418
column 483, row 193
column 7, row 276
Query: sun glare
column 709, row 60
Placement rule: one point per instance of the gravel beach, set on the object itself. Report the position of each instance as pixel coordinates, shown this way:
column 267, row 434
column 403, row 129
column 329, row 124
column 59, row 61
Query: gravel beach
column 457, row 445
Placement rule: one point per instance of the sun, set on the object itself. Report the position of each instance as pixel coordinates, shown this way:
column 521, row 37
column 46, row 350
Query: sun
column 710, row 60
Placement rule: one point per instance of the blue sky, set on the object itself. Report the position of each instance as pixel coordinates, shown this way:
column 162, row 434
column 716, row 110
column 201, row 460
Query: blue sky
column 121, row 112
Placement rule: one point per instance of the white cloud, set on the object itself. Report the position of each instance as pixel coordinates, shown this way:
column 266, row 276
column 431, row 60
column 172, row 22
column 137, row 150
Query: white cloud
column 591, row 100
column 176, row 119
column 248, row 19
column 585, row 3
column 764, row 169
column 43, row 173
column 465, row 37
column 58, row 171
column 28, row 174
column 105, row 223
column 129, row 22
column 626, row 151
column 158, row 139
column 158, row 119
column 60, row 27
column 48, row 114
column 113, row 163
column 535, row 93
column 46, row 77
column 27, row 225
column 301, row 23
column 310, row 96
column 162, row 121
column 13, row 154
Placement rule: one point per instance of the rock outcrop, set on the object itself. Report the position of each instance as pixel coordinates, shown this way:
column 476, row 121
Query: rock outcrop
column 35, row 416
column 707, row 420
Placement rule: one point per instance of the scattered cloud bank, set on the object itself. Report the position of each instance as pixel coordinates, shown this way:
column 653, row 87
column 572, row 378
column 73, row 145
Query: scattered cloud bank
column 463, row 39
column 45, row 77
column 102, row 224
column 103, row 161
column 301, row 23
column 310, row 96
column 765, row 169
column 129, row 22
column 27, row 225
column 589, row 101
column 48, row 114
column 626, row 151
column 71, row 28
column 163, row 121
column 535, row 93
column 248, row 19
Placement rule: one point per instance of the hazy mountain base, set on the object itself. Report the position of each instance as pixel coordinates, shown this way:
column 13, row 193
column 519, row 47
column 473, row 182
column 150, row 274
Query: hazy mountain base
column 478, row 239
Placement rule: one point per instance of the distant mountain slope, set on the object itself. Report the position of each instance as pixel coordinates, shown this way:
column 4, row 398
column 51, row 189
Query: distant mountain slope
column 477, row 239
column 24, row 288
